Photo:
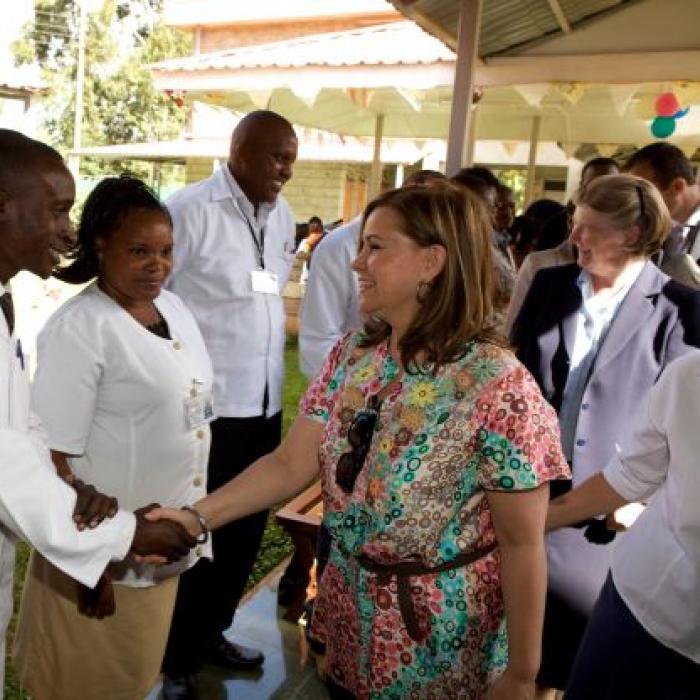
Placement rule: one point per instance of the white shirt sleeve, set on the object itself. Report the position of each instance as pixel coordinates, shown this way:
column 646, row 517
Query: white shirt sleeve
column 38, row 506
column 641, row 463
column 324, row 309
column 67, row 377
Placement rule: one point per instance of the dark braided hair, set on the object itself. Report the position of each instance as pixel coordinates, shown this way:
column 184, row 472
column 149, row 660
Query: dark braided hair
column 104, row 210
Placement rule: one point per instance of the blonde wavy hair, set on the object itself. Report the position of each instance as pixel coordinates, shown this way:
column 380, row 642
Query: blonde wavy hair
column 457, row 306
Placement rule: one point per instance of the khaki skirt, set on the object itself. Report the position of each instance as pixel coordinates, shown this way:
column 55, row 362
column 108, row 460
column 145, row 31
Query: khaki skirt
column 62, row 655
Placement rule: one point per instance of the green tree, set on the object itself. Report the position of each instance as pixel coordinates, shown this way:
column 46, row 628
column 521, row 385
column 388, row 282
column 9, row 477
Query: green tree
column 120, row 102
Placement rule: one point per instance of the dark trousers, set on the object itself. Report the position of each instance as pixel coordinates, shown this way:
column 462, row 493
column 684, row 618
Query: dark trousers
column 620, row 660
column 210, row 591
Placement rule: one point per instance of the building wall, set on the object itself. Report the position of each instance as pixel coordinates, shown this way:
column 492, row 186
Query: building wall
column 316, row 189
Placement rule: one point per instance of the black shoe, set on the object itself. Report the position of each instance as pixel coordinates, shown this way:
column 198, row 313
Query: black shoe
column 179, row 688
column 236, row 656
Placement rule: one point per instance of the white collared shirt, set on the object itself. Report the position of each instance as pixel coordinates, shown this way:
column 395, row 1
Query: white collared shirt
column 113, row 393
column 214, row 256
column 329, row 309
column 656, row 565
column 592, row 322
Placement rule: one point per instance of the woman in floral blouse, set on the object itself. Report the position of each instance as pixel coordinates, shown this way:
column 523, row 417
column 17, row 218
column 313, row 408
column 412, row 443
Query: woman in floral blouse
column 434, row 446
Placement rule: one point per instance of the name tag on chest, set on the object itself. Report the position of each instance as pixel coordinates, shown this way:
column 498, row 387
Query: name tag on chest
column 199, row 409
column 265, row 282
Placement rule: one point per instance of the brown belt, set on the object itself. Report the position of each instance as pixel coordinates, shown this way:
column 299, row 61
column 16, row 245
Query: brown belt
column 403, row 572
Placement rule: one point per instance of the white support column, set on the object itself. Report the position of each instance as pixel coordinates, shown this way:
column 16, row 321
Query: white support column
column 471, row 137
column 375, row 178
column 398, row 180
column 532, row 159
column 467, row 46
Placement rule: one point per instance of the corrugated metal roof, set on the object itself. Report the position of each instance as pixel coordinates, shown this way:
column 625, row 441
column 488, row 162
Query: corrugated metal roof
column 388, row 44
column 506, row 24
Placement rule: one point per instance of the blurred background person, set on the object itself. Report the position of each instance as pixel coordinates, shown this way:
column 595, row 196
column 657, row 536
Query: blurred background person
column 483, row 183
column 437, row 537
column 596, row 334
column 123, row 390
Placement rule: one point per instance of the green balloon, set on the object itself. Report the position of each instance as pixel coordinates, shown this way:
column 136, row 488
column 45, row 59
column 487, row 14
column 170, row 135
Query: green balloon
column 663, row 127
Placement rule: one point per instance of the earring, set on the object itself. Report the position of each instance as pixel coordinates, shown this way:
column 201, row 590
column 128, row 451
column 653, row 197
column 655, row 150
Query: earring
column 422, row 291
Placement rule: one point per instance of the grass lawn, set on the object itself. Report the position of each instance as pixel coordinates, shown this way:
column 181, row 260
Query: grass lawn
column 276, row 545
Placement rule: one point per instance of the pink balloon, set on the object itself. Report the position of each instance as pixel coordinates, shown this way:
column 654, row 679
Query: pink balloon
column 667, row 104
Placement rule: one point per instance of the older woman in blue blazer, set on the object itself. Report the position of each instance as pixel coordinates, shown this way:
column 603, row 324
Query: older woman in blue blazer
column 596, row 335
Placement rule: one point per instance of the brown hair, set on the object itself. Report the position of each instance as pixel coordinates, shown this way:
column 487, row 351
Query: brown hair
column 458, row 304
column 628, row 200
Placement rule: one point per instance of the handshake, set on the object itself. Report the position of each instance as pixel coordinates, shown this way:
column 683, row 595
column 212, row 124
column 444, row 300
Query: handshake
column 156, row 541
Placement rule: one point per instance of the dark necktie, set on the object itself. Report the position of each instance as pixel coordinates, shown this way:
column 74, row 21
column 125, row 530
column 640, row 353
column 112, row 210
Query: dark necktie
column 8, row 310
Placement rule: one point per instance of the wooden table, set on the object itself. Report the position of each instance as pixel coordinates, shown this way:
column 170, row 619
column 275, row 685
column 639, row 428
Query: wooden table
column 301, row 518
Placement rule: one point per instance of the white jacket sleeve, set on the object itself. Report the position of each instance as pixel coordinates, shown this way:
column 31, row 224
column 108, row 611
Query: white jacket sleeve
column 36, row 505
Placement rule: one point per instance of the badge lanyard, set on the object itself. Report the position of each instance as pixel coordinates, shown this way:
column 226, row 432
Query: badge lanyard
column 259, row 244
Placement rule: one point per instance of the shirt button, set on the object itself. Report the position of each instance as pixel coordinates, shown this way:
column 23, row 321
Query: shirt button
column 197, row 481
column 580, row 443
column 200, row 434
column 584, row 406
column 177, row 345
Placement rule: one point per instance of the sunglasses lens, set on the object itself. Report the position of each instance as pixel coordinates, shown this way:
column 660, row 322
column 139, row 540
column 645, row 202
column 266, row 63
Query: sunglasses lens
column 359, row 437
column 345, row 473
column 361, row 429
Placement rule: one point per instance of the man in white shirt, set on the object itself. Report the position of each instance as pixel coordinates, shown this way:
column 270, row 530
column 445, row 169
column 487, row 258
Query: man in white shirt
column 329, row 309
column 234, row 250
column 36, row 196
column 667, row 168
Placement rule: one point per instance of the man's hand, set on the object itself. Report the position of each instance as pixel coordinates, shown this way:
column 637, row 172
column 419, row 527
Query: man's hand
column 164, row 538
column 91, row 506
column 98, row 601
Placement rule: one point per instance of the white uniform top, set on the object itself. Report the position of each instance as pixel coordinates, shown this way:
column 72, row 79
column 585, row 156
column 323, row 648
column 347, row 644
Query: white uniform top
column 656, row 566
column 109, row 390
column 35, row 504
column 214, row 256
column 329, row 309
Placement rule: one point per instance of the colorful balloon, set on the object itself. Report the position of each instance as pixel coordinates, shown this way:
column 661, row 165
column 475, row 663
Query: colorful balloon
column 663, row 127
column 667, row 104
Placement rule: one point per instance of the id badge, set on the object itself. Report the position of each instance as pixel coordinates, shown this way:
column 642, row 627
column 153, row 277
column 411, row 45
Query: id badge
column 265, row 282
column 199, row 409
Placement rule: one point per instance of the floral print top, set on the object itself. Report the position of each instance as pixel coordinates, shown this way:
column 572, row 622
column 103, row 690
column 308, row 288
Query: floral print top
column 440, row 443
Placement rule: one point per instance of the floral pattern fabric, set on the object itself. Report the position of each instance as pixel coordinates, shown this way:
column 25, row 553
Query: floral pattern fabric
column 440, row 443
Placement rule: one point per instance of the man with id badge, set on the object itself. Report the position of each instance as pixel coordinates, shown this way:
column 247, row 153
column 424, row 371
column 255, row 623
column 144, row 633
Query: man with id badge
column 234, row 250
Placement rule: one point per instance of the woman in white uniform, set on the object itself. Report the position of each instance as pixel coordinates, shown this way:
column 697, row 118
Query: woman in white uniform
column 125, row 397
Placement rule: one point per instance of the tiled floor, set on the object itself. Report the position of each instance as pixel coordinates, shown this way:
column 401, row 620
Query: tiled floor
column 288, row 673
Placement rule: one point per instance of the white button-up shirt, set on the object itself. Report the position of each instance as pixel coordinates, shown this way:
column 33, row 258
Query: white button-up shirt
column 35, row 504
column 656, row 565
column 114, row 394
column 329, row 309
column 214, row 256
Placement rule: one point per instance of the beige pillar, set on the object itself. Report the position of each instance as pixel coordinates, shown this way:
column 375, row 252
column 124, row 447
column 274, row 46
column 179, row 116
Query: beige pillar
column 532, row 159
column 460, row 115
column 375, row 178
